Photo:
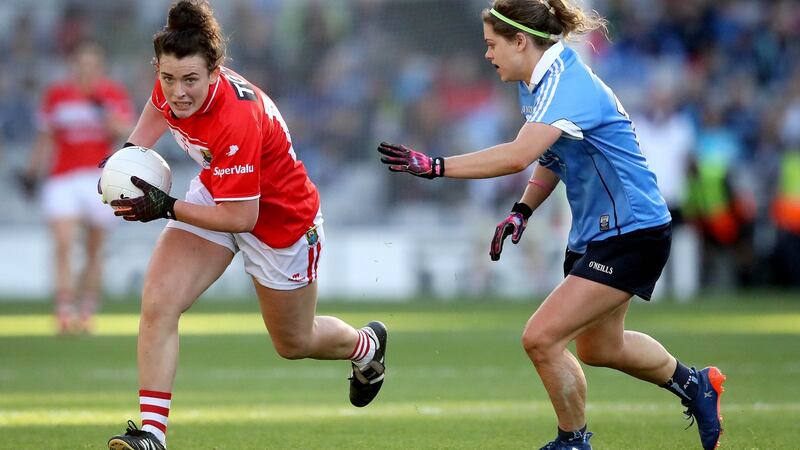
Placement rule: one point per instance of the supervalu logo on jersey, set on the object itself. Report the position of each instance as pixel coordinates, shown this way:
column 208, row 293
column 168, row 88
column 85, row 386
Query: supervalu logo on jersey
column 235, row 170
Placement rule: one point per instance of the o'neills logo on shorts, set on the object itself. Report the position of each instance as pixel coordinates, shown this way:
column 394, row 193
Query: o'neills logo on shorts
column 601, row 267
column 235, row 170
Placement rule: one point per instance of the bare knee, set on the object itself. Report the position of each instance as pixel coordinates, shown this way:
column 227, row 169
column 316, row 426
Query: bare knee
column 540, row 345
column 159, row 309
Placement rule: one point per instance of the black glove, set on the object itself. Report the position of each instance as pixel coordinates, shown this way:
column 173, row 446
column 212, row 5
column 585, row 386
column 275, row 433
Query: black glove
column 27, row 184
column 154, row 204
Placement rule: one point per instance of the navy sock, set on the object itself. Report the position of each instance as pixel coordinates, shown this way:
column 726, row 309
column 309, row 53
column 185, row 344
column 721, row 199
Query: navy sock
column 568, row 436
column 683, row 382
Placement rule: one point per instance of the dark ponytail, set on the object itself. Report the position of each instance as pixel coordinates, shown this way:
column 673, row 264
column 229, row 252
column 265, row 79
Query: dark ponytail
column 191, row 30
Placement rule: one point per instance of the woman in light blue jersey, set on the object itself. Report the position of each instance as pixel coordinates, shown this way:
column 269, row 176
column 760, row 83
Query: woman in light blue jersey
column 579, row 133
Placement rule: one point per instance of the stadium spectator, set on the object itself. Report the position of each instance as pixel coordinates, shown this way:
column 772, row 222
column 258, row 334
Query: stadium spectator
column 785, row 202
column 80, row 119
column 718, row 203
column 252, row 195
column 580, row 134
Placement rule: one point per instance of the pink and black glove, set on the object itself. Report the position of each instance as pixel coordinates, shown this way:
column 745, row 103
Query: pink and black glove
column 154, row 204
column 513, row 226
column 400, row 158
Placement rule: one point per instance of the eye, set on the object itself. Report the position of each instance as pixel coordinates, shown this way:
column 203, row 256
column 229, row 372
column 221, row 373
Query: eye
column 191, row 81
column 168, row 80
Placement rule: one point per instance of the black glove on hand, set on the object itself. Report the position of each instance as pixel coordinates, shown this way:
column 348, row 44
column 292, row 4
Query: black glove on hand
column 27, row 184
column 154, row 204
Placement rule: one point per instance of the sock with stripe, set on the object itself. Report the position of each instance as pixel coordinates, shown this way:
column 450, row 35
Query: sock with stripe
column 365, row 347
column 683, row 383
column 154, row 410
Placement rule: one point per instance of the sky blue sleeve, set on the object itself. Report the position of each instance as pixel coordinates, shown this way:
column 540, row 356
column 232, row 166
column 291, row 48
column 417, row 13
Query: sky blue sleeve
column 568, row 103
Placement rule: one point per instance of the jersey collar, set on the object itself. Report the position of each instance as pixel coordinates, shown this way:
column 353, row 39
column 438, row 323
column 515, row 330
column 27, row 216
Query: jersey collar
column 212, row 94
column 548, row 58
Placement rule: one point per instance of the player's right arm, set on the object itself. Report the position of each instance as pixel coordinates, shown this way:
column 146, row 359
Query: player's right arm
column 149, row 128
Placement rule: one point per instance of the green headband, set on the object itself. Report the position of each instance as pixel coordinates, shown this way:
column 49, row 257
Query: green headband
column 520, row 26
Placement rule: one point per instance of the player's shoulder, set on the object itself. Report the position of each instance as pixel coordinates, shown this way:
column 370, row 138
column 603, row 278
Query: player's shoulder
column 237, row 98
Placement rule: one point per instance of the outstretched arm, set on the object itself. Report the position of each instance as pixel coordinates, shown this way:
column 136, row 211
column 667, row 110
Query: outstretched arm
column 532, row 140
column 232, row 217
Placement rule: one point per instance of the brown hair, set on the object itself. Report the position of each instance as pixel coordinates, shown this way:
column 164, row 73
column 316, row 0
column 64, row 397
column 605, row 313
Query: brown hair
column 549, row 16
column 191, row 29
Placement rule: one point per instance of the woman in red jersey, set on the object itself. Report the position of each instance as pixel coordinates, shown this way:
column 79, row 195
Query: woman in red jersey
column 80, row 120
column 252, row 195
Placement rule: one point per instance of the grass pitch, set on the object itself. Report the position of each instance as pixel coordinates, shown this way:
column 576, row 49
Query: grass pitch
column 458, row 379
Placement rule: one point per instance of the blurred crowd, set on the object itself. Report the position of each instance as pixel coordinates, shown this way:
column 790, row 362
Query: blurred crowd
column 713, row 88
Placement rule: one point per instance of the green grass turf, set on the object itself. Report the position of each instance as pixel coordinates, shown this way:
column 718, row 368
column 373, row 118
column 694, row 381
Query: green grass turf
column 458, row 379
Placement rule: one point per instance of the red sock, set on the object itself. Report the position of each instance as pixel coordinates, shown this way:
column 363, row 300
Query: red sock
column 154, row 410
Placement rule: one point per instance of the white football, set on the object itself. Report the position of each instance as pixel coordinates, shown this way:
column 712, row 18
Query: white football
column 145, row 163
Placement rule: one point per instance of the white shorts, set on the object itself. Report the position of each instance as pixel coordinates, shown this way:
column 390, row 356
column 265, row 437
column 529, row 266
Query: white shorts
column 276, row 268
column 74, row 195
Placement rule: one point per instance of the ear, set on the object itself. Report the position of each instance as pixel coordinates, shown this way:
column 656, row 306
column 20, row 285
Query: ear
column 212, row 78
column 520, row 41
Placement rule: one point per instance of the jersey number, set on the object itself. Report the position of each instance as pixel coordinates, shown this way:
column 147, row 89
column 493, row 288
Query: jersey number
column 243, row 89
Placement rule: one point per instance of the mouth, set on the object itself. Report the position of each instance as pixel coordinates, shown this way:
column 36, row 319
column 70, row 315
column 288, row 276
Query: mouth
column 181, row 106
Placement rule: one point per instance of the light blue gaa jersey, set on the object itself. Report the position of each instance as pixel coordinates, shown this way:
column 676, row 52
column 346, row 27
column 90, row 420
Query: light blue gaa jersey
column 610, row 188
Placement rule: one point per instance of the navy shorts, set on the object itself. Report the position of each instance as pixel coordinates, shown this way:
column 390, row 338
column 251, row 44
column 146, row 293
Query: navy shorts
column 631, row 262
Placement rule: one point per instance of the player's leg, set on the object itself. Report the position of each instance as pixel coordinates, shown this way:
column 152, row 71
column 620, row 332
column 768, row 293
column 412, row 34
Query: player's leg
column 635, row 261
column 295, row 329
column 98, row 218
column 575, row 305
column 60, row 202
column 182, row 266
column 63, row 231
column 607, row 344
column 297, row 332
column 91, row 276
column 285, row 281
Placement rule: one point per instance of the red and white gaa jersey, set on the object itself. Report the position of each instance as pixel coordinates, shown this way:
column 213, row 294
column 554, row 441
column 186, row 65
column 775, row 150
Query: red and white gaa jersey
column 244, row 148
column 77, row 121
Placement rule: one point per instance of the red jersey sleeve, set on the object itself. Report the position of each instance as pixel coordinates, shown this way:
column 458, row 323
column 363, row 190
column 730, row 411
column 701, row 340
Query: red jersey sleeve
column 236, row 163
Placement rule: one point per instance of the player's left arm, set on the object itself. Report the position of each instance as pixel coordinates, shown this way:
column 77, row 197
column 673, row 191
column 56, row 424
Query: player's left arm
column 230, row 217
column 531, row 142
